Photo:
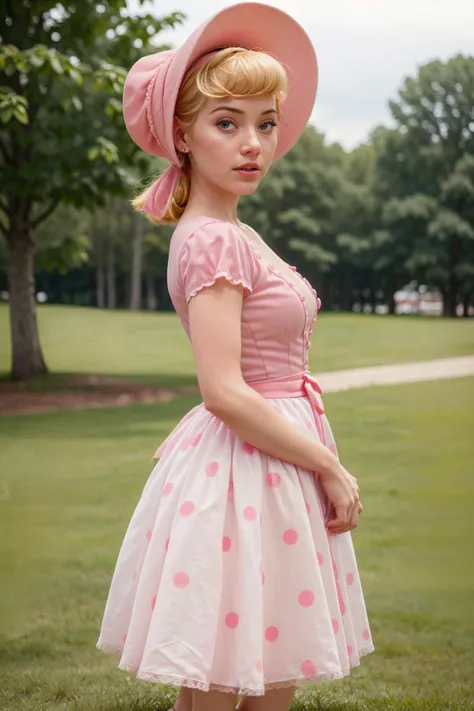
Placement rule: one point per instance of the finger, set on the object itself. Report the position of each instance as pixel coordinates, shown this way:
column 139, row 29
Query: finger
column 339, row 523
column 355, row 515
column 351, row 521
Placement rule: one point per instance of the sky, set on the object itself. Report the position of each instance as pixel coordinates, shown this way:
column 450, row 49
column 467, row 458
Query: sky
column 365, row 49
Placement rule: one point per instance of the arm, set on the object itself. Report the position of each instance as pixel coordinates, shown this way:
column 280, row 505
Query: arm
column 215, row 329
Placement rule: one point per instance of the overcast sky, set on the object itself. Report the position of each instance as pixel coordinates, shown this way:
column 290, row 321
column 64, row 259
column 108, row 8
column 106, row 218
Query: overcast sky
column 365, row 48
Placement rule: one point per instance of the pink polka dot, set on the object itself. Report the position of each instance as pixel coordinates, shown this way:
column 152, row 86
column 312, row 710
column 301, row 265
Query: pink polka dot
column 250, row 513
column 135, row 576
column 232, row 620
column 306, row 598
column 308, row 507
column 187, row 508
column 167, row 542
column 335, row 625
column 181, row 579
column 350, row 578
column 273, row 479
column 185, row 444
column 212, row 469
column 366, row 634
column 230, row 490
column 226, row 544
column 148, row 536
column 259, row 665
column 271, row 633
column 153, row 603
column 248, row 448
column 308, row 668
column 167, row 489
column 320, row 558
column 290, row 537
column 196, row 440
column 349, row 650
column 124, row 639
column 342, row 606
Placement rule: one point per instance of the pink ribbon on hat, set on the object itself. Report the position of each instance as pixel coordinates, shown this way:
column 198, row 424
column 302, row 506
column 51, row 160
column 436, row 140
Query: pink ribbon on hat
column 161, row 191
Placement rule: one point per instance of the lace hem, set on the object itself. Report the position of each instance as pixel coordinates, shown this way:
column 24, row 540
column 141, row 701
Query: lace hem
column 211, row 280
column 176, row 680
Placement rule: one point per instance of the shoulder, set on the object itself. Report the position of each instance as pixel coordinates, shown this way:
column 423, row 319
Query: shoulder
column 207, row 228
column 209, row 248
column 209, row 238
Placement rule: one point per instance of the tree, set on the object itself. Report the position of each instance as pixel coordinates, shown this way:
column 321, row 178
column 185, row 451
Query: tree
column 61, row 132
column 423, row 177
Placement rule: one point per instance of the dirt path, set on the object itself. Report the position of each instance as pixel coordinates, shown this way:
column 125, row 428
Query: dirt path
column 100, row 391
column 332, row 382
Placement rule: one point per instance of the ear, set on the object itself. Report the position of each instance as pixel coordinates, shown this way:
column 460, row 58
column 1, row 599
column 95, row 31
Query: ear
column 178, row 135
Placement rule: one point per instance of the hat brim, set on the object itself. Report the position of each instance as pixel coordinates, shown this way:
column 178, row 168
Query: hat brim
column 254, row 25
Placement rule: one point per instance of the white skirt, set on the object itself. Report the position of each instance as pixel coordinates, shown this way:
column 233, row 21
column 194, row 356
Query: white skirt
column 227, row 578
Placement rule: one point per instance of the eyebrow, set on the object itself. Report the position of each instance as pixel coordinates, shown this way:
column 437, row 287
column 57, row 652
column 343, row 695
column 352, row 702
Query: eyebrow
column 239, row 111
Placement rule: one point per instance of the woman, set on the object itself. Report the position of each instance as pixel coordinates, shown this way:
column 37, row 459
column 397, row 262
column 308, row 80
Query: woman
column 237, row 574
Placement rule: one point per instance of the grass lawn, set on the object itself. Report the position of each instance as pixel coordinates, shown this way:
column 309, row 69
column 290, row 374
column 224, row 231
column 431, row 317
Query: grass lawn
column 71, row 479
column 153, row 346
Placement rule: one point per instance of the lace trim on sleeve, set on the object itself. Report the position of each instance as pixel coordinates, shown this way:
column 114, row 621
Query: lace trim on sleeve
column 209, row 282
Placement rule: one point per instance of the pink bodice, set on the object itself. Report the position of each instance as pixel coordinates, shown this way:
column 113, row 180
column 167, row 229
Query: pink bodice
column 278, row 312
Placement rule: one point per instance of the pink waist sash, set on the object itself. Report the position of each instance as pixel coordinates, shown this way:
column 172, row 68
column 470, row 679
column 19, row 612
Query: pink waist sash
column 302, row 384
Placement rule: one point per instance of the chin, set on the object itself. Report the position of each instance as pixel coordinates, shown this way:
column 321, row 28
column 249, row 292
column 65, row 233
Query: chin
column 248, row 189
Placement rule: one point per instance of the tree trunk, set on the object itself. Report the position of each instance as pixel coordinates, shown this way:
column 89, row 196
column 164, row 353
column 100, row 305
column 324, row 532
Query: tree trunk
column 449, row 303
column 27, row 358
column 151, row 300
column 390, row 296
column 465, row 306
column 346, row 293
column 100, row 286
column 136, row 280
column 451, row 296
column 111, row 286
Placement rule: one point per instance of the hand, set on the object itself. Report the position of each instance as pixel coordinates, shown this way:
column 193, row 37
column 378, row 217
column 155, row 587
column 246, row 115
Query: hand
column 343, row 493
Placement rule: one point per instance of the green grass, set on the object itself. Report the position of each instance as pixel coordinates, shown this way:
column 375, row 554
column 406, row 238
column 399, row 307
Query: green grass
column 153, row 347
column 72, row 479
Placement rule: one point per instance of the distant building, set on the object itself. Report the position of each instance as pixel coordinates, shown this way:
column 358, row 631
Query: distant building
column 417, row 299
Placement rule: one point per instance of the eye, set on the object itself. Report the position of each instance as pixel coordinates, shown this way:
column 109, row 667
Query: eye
column 272, row 124
column 219, row 123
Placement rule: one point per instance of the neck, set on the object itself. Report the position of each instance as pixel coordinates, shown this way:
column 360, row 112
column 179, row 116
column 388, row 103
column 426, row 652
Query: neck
column 207, row 199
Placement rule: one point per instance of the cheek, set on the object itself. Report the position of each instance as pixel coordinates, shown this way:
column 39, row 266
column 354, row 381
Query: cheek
column 269, row 148
column 273, row 143
column 210, row 148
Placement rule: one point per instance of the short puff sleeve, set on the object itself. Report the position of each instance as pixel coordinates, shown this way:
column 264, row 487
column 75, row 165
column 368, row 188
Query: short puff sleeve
column 217, row 249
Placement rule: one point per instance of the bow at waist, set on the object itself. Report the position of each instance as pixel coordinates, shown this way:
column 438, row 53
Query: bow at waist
column 295, row 385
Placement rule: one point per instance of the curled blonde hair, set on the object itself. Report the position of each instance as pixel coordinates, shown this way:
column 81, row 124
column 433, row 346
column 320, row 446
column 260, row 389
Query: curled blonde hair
column 232, row 72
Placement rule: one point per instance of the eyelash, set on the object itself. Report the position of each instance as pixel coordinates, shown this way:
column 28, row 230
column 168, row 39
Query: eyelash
column 271, row 123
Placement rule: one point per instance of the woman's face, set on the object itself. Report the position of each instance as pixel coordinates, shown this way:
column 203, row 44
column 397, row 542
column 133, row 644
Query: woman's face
column 227, row 134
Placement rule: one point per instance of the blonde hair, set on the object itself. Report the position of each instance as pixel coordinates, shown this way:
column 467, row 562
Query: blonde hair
column 233, row 71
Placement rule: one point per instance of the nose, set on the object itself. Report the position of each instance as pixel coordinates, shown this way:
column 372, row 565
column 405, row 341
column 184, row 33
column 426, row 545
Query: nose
column 251, row 143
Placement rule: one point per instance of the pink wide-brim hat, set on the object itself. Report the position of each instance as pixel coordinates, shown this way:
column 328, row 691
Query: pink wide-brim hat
column 152, row 84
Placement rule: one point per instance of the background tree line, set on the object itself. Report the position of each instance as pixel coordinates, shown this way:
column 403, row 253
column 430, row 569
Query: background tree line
column 398, row 207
